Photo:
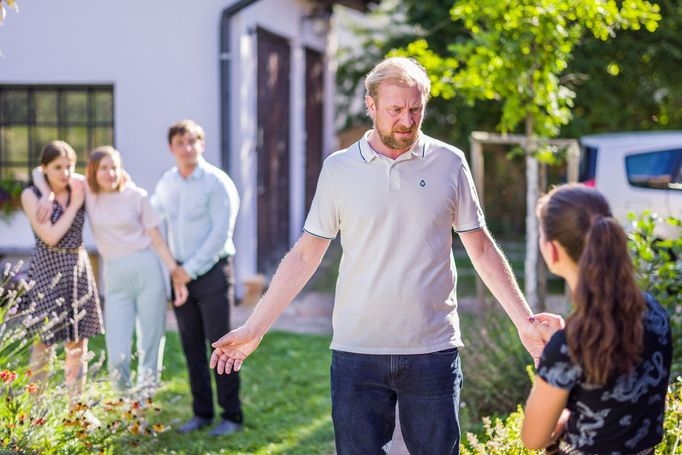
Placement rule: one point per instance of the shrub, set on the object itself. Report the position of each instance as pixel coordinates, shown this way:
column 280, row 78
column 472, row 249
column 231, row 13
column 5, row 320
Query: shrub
column 502, row 436
column 38, row 416
column 658, row 263
column 494, row 363
column 10, row 194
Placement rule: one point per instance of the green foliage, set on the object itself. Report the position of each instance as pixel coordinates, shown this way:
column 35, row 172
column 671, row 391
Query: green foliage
column 658, row 263
column 36, row 413
column 672, row 425
column 501, row 436
column 10, row 194
column 518, row 50
column 494, row 363
column 643, row 93
column 623, row 84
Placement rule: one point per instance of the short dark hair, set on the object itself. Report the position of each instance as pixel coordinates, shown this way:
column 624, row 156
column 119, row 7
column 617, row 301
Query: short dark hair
column 185, row 126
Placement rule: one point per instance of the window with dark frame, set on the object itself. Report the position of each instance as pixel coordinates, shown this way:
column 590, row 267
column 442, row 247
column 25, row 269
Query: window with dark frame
column 658, row 170
column 33, row 115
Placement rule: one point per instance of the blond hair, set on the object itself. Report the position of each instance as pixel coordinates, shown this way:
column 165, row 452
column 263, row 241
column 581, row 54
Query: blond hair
column 401, row 71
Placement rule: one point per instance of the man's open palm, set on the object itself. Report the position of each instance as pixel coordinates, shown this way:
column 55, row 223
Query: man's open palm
column 233, row 348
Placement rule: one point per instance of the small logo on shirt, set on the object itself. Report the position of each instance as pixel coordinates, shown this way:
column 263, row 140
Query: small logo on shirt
column 422, row 183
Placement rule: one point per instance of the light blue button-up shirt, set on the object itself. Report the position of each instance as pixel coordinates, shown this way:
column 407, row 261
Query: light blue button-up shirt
column 200, row 212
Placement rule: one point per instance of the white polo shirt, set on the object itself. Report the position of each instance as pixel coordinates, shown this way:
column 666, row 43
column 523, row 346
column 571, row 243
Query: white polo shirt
column 395, row 292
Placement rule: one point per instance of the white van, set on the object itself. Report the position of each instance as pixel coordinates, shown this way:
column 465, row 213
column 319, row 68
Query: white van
column 635, row 171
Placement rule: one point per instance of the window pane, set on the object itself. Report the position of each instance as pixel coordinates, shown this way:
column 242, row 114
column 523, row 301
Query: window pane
column 15, row 144
column 41, row 136
column 75, row 107
column 77, row 137
column 103, row 136
column 46, row 106
column 653, row 170
column 104, row 107
column 15, row 106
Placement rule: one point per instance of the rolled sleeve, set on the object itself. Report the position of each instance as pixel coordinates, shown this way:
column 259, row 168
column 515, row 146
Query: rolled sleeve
column 468, row 215
column 323, row 219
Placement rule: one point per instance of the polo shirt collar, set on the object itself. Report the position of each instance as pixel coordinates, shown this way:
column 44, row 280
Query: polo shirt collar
column 367, row 153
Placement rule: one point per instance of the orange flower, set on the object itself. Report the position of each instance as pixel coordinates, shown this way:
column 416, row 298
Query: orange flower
column 134, row 428
column 8, row 376
column 29, row 373
column 32, row 388
column 39, row 422
column 158, row 428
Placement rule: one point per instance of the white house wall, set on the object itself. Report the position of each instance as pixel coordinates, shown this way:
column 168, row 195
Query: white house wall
column 162, row 59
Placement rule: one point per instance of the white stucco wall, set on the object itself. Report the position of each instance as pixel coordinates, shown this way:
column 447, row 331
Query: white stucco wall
column 163, row 61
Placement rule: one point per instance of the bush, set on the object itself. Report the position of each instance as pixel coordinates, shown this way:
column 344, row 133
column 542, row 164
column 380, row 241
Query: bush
column 502, row 436
column 658, row 263
column 10, row 196
column 38, row 416
column 494, row 363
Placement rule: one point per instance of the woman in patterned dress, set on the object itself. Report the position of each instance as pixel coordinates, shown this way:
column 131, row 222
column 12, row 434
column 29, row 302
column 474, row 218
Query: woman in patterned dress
column 603, row 376
column 65, row 291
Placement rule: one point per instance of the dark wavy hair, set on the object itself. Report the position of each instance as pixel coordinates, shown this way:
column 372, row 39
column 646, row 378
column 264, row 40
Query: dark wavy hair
column 605, row 330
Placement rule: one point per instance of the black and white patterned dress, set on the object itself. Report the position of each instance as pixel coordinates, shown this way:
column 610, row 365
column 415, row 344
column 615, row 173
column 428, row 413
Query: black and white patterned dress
column 625, row 415
column 65, row 291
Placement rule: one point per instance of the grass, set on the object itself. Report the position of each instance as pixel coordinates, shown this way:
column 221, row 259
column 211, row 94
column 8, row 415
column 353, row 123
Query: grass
column 285, row 399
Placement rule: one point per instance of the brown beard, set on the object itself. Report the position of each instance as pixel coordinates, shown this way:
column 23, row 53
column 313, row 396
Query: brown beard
column 394, row 143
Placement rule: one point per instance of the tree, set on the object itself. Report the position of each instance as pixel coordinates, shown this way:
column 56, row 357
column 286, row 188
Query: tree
column 516, row 52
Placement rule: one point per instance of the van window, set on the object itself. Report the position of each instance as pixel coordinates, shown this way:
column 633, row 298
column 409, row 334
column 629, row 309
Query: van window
column 659, row 170
column 588, row 164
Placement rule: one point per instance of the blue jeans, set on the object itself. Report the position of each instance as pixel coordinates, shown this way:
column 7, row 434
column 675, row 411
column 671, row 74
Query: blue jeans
column 365, row 389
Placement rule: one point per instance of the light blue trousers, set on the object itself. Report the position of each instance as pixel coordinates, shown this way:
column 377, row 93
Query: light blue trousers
column 135, row 298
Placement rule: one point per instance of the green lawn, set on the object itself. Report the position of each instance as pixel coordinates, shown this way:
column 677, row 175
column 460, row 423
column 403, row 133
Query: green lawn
column 285, row 397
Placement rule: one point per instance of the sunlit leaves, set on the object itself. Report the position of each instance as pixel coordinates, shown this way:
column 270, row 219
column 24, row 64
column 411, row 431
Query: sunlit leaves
column 518, row 49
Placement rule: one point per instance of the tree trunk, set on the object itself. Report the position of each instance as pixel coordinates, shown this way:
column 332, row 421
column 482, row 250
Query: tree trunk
column 532, row 193
column 541, row 267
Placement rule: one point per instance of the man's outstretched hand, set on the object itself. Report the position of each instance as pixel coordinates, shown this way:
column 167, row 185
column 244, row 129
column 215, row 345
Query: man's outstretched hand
column 538, row 331
column 232, row 349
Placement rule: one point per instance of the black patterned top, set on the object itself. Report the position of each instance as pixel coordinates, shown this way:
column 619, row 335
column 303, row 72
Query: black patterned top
column 625, row 415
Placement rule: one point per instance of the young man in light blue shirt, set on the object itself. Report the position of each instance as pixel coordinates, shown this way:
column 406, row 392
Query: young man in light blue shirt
column 199, row 203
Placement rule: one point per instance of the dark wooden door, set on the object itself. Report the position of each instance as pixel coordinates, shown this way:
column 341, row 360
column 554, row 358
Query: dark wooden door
column 314, row 121
column 273, row 149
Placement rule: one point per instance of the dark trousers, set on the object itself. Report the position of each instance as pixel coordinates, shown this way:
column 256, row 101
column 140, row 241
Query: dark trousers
column 365, row 389
column 206, row 317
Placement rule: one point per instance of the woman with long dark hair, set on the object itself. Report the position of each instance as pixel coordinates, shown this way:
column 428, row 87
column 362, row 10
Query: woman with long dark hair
column 602, row 379
column 65, row 293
